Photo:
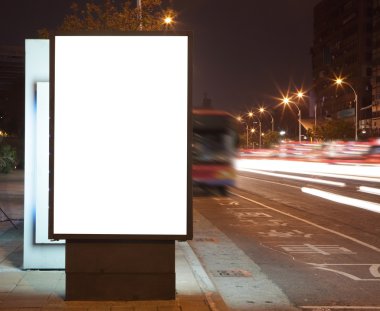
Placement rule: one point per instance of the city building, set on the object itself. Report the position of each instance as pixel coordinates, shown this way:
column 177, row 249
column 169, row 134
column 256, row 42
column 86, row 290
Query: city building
column 376, row 69
column 343, row 47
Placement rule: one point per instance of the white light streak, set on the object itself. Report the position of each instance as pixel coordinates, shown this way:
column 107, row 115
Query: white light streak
column 352, row 172
column 374, row 207
column 308, row 179
column 369, row 190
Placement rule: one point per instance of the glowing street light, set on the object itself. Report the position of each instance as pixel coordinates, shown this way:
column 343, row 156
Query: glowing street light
column 251, row 115
column 286, row 101
column 262, row 110
column 339, row 82
column 168, row 20
column 300, row 94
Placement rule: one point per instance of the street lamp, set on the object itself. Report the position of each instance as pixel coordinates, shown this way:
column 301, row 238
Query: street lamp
column 251, row 115
column 253, row 130
column 287, row 101
column 340, row 82
column 262, row 110
column 167, row 20
column 240, row 119
column 139, row 7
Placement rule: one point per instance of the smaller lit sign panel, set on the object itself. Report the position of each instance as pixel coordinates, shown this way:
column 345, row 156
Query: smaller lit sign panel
column 120, row 137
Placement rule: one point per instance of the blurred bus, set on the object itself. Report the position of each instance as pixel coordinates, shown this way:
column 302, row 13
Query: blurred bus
column 214, row 149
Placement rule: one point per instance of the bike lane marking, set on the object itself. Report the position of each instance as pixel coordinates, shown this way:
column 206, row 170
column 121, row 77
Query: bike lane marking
column 345, row 236
column 247, row 217
column 372, row 270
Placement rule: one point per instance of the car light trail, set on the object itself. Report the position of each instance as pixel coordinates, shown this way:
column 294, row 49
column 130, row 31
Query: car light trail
column 351, row 177
column 308, row 179
column 369, row 190
column 374, row 207
column 358, row 172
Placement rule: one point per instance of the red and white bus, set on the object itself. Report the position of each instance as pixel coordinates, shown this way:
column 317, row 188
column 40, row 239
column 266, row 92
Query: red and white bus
column 214, row 149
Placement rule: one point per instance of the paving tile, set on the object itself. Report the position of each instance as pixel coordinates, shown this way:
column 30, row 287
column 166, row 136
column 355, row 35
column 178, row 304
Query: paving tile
column 122, row 308
column 173, row 308
column 145, row 308
column 191, row 306
column 3, row 296
column 52, row 309
column 22, row 302
column 11, row 277
column 42, row 276
column 6, row 288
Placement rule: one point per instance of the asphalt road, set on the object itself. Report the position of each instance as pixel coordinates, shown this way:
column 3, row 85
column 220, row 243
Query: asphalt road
column 303, row 248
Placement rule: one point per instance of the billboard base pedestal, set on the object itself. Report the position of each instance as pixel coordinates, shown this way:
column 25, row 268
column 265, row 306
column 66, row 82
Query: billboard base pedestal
column 120, row 270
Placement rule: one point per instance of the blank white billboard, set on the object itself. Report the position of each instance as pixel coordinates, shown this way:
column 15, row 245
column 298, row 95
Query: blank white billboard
column 120, row 136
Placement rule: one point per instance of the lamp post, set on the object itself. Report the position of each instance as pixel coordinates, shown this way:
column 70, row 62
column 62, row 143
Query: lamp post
column 167, row 20
column 139, row 6
column 261, row 110
column 251, row 115
column 240, row 119
column 286, row 101
column 253, row 130
column 340, row 82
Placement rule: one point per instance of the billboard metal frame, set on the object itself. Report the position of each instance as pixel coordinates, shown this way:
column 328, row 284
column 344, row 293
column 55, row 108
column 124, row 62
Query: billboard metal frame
column 189, row 219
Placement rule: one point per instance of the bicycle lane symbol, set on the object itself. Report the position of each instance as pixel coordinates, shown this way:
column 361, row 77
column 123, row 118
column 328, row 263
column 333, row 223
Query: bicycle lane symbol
column 368, row 272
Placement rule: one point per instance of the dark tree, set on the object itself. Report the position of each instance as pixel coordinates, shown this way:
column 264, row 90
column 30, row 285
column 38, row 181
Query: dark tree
column 111, row 16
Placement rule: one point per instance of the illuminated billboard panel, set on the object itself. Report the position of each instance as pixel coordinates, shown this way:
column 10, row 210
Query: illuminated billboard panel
column 120, row 137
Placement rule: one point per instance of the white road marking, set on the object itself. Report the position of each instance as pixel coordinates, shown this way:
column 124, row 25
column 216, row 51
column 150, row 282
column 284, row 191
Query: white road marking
column 316, row 249
column 373, row 270
column 271, row 182
column 313, row 180
column 370, row 190
column 374, row 207
column 289, row 234
column 374, row 248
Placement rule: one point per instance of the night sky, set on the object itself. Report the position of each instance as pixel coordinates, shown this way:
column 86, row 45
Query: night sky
column 245, row 52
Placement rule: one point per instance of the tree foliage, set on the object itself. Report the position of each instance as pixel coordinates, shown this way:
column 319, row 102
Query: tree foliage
column 7, row 158
column 108, row 15
column 270, row 139
column 335, row 129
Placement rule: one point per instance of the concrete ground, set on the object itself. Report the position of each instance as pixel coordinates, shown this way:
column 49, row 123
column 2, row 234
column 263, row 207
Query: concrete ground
column 45, row 290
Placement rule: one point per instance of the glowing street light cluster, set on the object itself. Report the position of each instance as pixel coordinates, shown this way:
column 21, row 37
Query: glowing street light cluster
column 295, row 99
column 250, row 115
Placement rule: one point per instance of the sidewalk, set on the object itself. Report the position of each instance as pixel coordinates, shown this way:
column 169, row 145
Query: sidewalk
column 45, row 290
